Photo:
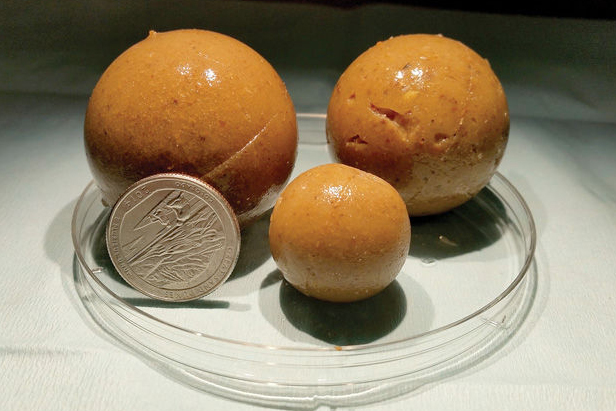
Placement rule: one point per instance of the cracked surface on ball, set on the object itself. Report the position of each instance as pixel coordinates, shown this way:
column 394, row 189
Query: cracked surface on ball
column 194, row 102
column 424, row 112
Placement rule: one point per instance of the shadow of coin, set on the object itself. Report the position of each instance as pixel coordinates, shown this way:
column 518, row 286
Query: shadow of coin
column 98, row 249
column 469, row 227
column 353, row 323
column 254, row 250
column 199, row 303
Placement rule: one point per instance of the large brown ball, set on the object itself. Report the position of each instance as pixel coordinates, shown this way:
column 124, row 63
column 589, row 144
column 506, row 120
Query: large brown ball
column 424, row 112
column 193, row 102
column 339, row 234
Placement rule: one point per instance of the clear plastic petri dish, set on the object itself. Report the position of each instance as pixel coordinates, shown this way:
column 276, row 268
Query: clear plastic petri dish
column 465, row 288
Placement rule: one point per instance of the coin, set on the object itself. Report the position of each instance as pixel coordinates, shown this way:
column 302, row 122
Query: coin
column 173, row 237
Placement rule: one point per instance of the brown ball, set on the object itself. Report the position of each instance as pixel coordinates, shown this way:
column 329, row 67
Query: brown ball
column 194, row 102
column 424, row 112
column 339, row 234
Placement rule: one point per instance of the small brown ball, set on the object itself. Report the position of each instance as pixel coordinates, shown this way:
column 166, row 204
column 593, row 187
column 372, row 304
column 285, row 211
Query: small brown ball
column 424, row 112
column 339, row 234
column 194, row 102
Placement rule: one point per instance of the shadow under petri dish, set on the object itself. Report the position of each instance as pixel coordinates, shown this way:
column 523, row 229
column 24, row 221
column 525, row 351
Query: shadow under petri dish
column 469, row 227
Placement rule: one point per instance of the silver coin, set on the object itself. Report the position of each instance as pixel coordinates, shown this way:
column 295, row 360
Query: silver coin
column 173, row 237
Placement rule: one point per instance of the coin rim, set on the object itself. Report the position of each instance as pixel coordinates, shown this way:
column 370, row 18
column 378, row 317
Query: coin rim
column 216, row 195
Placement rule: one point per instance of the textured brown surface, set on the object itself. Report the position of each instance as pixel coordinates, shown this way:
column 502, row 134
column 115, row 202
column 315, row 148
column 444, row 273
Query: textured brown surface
column 424, row 112
column 339, row 234
column 194, row 102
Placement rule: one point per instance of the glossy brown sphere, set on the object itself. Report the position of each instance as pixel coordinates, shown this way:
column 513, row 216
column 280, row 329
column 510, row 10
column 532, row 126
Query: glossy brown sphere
column 424, row 112
column 193, row 102
column 339, row 234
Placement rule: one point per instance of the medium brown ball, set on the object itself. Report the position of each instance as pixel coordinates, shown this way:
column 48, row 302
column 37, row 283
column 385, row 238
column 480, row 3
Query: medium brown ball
column 193, row 102
column 339, row 234
column 424, row 112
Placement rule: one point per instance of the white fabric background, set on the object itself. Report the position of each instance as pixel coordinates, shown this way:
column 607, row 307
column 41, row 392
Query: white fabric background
column 560, row 79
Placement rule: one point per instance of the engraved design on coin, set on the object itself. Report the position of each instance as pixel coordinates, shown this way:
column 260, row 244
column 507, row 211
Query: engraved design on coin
column 173, row 237
column 182, row 247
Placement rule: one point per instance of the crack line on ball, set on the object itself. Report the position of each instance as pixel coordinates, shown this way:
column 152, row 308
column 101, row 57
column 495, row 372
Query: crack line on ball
column 240, row 151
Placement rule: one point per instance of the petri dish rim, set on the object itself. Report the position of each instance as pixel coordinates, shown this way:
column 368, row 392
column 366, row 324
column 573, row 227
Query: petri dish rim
column 338, row 350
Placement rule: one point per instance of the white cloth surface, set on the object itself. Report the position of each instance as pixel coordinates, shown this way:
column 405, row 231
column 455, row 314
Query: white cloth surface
column 560, row 80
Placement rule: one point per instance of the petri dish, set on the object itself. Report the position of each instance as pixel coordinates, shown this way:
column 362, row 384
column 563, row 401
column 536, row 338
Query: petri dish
column 466, row 287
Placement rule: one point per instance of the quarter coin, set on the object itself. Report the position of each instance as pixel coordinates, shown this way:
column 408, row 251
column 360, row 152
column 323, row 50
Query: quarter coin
column 173, row 237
